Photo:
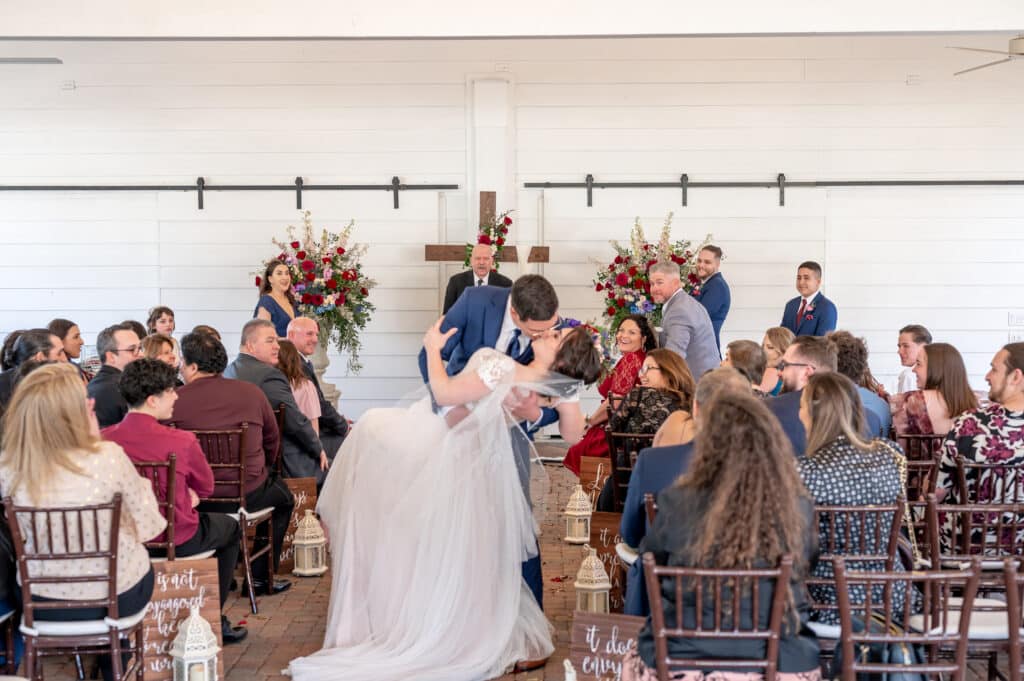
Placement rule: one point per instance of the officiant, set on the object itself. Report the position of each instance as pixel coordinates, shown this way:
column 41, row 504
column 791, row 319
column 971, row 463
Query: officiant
column 482, row 273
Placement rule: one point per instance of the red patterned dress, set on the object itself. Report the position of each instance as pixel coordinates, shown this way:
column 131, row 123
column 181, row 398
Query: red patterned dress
column 623, row 378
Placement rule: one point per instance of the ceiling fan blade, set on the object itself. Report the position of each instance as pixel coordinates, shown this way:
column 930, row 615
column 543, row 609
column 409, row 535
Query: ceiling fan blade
column 983, row 66
column 976, row 49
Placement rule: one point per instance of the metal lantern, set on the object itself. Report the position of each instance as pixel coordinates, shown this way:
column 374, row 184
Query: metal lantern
column 577, row 517
column 592, row 584
column 310, row 547
column 194, row 651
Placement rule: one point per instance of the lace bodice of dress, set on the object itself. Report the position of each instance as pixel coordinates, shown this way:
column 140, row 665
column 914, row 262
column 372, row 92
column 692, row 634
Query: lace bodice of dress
column 492, row 367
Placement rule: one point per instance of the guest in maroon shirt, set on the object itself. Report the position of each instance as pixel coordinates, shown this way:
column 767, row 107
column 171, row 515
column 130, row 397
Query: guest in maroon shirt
column 208, row 401
column 148, row 388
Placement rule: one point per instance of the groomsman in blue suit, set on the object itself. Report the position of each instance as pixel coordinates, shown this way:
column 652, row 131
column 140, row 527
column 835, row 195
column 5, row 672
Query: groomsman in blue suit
column 810, row 313
column 713, row 292
column 507, row 320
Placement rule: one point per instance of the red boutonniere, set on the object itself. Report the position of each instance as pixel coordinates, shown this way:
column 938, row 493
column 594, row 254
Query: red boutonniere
column 695, row 292
column 808, row 317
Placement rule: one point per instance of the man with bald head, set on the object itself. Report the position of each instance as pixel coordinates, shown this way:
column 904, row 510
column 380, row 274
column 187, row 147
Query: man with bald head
column 304, row 333
column 481, row 262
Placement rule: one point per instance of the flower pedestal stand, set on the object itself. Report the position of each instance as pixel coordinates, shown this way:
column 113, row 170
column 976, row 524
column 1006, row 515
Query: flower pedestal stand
column 320, row 362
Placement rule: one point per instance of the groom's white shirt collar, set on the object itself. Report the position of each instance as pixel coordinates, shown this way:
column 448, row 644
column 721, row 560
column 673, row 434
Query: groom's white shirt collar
column 508, row 327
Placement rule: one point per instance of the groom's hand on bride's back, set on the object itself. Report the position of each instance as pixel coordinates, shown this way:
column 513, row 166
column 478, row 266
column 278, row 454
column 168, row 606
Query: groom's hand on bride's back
column 523, row 405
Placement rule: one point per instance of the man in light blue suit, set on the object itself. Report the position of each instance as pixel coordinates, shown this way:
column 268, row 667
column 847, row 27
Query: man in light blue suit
column 507, row 320
column 685, row 325
column 713, row 292
column 810, row 313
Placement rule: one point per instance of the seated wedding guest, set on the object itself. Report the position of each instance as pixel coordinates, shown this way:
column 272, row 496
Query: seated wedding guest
column 7, row 352
column 741, row 453
column 657, row 468
column 118, row 346
column 277, row 302
column 304, row 455
column 161, row 347
column 304, row 333
column 481, row 273
column 912, row 338
column 776, row 340
column 161, row 320
column 53, row 457
column 662, row 403
column 634, row 339
column 842, row 468
column 33, row 344
column 203, row 328
column 852, row 362
column 208, row 401
column 71, row 338
column 748, row 358
column 712, row 292
column 137, row 327
column 810, row 313
column 943, row 393
column 148, row 387
column 290, row 364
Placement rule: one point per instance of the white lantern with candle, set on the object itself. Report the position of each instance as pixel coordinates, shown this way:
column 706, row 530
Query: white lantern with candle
column 592, row 584
column 195, row 649
column 310, row 547
column 577, row 517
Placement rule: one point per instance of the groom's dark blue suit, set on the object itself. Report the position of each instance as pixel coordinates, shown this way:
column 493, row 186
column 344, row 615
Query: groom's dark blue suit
column 478, row 314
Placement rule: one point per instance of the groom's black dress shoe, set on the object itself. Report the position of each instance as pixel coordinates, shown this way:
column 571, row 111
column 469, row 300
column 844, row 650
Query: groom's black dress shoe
column 231, row 634
column 279, row 586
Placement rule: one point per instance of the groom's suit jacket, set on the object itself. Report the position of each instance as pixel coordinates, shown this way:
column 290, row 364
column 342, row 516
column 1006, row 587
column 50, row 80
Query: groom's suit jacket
column 477, row 315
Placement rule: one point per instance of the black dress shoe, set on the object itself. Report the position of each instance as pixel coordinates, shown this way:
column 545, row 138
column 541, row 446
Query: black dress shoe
column 279, row 586
column 231, row 634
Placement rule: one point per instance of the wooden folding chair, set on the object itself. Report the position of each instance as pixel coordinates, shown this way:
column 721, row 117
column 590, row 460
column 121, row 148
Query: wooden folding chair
column 161, row 476
column 623, row 449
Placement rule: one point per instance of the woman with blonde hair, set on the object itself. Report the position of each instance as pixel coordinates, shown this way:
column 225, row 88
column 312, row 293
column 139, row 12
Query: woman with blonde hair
column 776, row 340
column 52, row 456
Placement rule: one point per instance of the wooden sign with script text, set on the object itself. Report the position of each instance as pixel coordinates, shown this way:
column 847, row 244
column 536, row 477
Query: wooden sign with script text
column 604, row 535
column 304, row 491
column 180, row 584
column 598, row 643
column 594, row 471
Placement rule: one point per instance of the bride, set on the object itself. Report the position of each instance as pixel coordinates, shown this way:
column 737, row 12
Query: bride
column 429, row 524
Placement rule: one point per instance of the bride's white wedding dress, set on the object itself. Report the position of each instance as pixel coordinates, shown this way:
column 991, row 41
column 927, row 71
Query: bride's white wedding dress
column 428, row 527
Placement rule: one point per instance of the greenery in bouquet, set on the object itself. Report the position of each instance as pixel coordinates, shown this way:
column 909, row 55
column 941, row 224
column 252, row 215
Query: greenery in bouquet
column 625, row 282
column 329, row 284
column 494, row 235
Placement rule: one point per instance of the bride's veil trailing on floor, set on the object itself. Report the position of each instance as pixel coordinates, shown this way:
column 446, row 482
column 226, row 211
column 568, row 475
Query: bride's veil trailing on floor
column 428, row 527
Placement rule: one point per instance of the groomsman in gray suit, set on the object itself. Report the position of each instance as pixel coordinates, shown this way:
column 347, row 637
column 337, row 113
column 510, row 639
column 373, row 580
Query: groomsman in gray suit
column 685, row 325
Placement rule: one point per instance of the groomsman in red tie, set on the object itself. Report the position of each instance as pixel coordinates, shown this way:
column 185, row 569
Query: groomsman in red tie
column 810, row 313
column 481, row 273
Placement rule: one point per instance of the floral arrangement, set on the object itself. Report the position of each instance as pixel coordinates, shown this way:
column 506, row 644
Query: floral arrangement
column 493, row 235
column 625, row 281
column 329, row 285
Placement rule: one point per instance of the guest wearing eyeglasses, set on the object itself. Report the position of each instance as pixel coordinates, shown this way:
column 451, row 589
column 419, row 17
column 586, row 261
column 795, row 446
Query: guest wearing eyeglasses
column 118, row 346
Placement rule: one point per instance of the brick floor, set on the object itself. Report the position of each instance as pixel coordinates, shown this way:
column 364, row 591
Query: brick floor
column 292, row 624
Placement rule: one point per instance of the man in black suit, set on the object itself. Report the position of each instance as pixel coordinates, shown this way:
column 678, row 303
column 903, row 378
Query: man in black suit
column 481, row 274
column 118, row 346
column 256, row 363
column 304, row 333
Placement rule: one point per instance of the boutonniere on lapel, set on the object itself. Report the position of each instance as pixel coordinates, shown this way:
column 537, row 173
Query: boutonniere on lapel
column 809, row 313
column 695, row 292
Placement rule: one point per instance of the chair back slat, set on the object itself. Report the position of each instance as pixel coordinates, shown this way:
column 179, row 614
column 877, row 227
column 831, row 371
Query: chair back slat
column 724, row 592
column 1014, row 592
column 991, row 531
column 989, row 482
column 161, row 475
column 223, row 450
column 623, row 449
column 36, row 547
column 932, row 629
column 920, row 447
column 651, row 508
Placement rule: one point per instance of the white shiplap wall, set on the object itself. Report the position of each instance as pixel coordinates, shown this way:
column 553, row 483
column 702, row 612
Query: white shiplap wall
column 636, row 109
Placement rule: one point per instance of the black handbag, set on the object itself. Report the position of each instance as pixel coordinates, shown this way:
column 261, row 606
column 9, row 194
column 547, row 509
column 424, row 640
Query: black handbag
column 882, row 653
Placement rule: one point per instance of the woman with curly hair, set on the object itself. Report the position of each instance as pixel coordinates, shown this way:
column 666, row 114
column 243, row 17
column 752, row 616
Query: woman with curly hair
column 741, row 504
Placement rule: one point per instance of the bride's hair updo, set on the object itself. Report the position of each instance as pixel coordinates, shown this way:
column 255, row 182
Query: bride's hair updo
column 577, row 357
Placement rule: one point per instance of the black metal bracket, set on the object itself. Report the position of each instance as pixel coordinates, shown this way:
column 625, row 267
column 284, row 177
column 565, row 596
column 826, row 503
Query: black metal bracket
column 298, row 193
column 782, row 188
column 590, row 190
column 396, row 186
column 684, row 181
column 200, row 184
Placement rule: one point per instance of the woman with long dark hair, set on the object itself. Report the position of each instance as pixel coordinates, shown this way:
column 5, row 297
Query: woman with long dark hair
column 942, row 394
column 277, row 302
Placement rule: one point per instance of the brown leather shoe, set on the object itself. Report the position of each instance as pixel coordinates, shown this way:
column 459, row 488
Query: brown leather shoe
column 530, row 665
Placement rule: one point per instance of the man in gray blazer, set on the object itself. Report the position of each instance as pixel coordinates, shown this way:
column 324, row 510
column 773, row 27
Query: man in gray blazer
column 304, row 456
column 685, row 325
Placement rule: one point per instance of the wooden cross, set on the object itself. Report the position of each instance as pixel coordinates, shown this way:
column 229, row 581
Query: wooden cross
column 457, row 252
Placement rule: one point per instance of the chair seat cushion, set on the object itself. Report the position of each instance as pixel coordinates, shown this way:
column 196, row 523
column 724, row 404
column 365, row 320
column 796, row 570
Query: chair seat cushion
column 85, row 628
column 253, row 516
column 195, row 556
column 986, row 625
column 824, row 630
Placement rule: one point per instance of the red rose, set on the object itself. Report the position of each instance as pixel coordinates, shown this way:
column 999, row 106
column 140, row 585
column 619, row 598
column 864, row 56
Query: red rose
column 647, row 247
column 621, row 302
column 611, row 268
column 507, row 220
column 306, row 299
column 353, row 275
column 364, row 292
column 611, row 311
column 693, row 278
column 308, row 266
column 310, row 276
column 332, row 284
column 258, row 281
column 599, row 287
column 622, row 279
column 611, row 293
column 318, row 299
column 638, row 283
column 340, row 300
column 341, row 251
column 484, row 239
column 618, row 260
column 650, row 263
column 301, row 255
column 295, row 244
column 326, row 261
column 281, row 257
column 504, row 230
column 676, row 259
column 500, row 241
column 632, row 271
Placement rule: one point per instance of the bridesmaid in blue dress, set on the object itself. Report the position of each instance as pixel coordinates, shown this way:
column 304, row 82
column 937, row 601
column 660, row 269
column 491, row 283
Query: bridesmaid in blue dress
column 276, row 303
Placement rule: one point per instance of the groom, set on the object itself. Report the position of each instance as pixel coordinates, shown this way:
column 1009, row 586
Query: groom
column 507, row 320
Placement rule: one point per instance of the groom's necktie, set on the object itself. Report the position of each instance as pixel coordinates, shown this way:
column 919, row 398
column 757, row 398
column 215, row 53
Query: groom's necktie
column 514, row 350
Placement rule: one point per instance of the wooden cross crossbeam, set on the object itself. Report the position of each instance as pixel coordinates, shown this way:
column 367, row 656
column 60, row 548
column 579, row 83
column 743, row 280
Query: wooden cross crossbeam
column 457, row 252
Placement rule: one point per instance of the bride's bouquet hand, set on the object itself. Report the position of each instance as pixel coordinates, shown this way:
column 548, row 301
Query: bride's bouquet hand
column 434, row 340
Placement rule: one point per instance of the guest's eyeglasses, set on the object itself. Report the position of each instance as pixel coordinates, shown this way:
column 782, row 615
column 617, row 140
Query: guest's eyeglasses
column 132, row 349
column 645, row 369
column 781, row 366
